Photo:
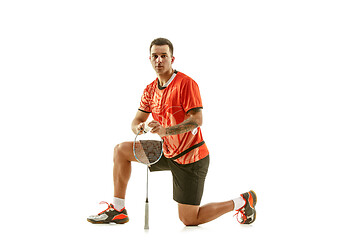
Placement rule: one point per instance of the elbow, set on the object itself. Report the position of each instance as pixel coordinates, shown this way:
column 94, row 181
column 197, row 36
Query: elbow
column 196, row 117
column 199, row 122
column 199, row 119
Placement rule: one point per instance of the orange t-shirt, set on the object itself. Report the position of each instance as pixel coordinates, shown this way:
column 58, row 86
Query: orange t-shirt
column 169, row 106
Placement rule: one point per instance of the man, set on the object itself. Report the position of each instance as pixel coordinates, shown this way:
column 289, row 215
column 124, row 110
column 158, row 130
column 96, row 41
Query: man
column 174, row 101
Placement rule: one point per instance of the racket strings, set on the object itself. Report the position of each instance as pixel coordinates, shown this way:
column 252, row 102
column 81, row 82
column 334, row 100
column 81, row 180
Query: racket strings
column 148, row 151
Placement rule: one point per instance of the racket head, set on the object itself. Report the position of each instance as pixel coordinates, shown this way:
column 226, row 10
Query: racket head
column 147, row 148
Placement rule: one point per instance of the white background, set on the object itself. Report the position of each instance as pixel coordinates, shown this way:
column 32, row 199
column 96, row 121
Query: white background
column 280, row 88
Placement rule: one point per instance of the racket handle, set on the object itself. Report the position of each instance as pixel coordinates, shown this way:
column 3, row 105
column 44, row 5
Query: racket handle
column 146, row 226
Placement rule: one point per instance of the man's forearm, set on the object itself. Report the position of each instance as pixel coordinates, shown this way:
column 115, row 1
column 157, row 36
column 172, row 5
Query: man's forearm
column 140, row 117
column 186, row 126
column 134, row 125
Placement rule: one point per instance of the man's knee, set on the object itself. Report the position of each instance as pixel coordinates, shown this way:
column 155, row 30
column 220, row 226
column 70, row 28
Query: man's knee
column 121, row 149
column 188, row 215
column 188, row 220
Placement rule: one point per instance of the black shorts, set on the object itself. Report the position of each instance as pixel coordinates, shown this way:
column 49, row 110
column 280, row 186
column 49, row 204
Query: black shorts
column 188, row 179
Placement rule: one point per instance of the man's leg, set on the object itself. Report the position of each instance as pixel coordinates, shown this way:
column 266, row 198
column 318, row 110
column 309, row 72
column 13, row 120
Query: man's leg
column 123, row 156
column 116, row 213
column 192, row 215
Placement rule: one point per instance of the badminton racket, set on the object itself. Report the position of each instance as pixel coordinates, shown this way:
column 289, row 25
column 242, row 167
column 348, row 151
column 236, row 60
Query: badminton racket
column 147, row 148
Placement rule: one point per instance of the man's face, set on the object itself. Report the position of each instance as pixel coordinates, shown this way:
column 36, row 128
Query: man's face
column 161, row 59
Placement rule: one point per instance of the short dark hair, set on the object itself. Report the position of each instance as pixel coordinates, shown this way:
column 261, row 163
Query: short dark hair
column 162, row 41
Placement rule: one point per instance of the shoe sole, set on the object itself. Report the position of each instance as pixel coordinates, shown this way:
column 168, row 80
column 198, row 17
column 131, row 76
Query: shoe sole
column 102, row 222
column 254, row 204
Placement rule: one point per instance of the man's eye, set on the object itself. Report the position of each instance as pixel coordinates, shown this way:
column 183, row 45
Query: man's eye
column 163, row 56
column 155, row 56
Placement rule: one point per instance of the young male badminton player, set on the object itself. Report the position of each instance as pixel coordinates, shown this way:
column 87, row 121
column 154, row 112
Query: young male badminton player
column 174, row 101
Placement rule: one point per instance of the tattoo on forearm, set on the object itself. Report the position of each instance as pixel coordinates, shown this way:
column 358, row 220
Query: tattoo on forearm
column 186, row 126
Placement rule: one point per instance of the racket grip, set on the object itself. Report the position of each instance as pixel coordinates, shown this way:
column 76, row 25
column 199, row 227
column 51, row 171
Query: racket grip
column 146, row 226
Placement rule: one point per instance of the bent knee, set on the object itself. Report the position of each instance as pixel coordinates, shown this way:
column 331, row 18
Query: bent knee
column 123, row 148
column 188, row 221
column 119, row 148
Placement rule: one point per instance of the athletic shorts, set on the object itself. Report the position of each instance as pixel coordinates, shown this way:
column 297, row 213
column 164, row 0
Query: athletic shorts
column 188, row 179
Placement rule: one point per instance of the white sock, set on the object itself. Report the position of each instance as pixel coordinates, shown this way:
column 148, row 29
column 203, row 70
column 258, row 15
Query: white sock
column 238, row 203
column 119, row 203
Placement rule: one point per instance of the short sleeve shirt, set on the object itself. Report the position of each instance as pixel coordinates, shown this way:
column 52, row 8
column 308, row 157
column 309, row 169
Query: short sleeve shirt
column 169, row 106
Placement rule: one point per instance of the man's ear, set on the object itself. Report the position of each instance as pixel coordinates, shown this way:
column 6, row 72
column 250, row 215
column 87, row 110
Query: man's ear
column 172, row 60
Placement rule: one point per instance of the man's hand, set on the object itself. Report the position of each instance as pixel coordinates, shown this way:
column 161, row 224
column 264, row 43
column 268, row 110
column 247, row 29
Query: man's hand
column 140, row 128
column 139, row 121
column 157, row 128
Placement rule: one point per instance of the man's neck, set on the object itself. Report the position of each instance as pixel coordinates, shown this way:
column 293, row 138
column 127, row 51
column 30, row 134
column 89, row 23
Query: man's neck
column 163, row 78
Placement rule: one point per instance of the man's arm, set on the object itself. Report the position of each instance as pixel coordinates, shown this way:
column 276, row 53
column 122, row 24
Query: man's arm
column 194, row 121
column 139, row 121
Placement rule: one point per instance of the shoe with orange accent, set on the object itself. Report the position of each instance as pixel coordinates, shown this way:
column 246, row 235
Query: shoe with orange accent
column 110, row 215
column 247, row 212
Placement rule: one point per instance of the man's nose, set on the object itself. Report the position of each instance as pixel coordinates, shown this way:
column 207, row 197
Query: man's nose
column 159, row 59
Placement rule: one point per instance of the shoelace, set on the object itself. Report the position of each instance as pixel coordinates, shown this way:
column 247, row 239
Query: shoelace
column 243, row 216
column 110, row 206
